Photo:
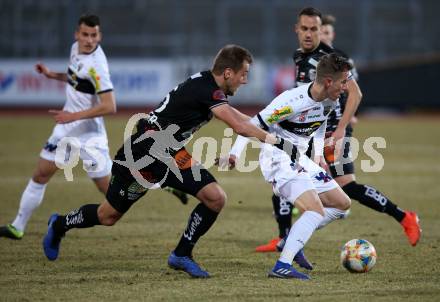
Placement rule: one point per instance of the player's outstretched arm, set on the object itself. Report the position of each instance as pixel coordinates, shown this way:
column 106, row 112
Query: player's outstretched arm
column 353, row 101
column 105, row 107
column 241, row 123
column 247, row 128
column 43, row 69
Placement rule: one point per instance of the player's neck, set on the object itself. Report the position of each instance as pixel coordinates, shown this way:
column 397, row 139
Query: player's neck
column 317, row 92
column 219, row 80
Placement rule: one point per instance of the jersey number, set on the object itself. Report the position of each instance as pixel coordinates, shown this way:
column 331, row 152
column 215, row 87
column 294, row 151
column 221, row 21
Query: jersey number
column 167, row 98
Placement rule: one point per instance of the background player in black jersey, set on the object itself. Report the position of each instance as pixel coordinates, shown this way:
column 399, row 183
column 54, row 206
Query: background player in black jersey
column 328, row 33
column 183, row 111
column 309, row 32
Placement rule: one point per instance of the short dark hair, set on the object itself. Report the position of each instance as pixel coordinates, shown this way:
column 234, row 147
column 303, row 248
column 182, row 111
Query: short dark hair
column 330, row 65
column 310, row 11
column 231, row 56
column 328, row 20
column 89, row 20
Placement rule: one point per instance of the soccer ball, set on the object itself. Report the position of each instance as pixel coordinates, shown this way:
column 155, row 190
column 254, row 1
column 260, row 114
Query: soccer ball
column 358, row 256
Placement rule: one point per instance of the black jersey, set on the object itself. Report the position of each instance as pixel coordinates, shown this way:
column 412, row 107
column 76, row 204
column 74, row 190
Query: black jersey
column 306, row 64
column 189, row 104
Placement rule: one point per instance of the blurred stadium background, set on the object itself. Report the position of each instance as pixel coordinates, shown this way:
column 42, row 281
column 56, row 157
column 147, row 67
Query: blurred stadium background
column 153, row 45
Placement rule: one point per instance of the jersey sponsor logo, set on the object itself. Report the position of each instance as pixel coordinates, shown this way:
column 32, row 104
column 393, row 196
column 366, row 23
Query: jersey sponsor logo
column 50, row 147
column 323, row 176
column 219, row 95
column 279, row 114
column 191, row 229
column 135, row 191
column 313, row 62
column 302, row 116
column 301, row 128
column 74, row 218
column 373, row 193
column 135, row 187
column 95, row 77
column 183, row 159
column 297, row 167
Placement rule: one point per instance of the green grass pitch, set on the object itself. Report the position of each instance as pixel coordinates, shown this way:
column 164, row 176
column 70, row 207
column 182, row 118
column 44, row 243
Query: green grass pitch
column 127, row 262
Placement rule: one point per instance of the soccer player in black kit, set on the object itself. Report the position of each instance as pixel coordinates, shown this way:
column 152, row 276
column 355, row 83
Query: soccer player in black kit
column 306, row 58
column 158, row 157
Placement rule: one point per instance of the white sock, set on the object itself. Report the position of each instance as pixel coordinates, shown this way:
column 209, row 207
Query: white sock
column 299, row 234
column 30, row 200
column 332, row 214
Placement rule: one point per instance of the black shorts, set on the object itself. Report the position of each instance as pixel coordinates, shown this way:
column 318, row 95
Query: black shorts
column 337, row 168
column 124, row 190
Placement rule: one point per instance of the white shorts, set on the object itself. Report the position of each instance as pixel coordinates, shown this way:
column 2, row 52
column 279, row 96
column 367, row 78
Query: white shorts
column 289, row 182
column 91, row 148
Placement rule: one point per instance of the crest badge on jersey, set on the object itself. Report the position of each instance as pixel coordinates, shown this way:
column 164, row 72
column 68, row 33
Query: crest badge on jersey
column 302, row 116
column 219, row 95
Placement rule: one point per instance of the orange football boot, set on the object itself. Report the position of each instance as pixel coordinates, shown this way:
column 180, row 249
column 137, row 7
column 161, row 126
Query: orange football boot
column 271, row 246
column 410, row 224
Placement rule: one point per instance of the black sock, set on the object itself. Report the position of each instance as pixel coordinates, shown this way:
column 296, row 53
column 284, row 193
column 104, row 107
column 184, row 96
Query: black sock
column 283, row 215
column 372, row 198
column 201, row 219
column 84, row 217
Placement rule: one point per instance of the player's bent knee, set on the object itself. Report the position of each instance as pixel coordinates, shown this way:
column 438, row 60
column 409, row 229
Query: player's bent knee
column 346, row 203
column 41, row 177
column 314, row 206
column 107, row 215
column 40, row 180
column 218, row 200
column 213, row 196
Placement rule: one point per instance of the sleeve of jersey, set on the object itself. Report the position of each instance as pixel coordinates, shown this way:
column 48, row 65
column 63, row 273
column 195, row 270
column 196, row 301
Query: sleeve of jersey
column 214, row 98
column 238, row 146
column 318, row 139
column 100, row 76
column 242, row 141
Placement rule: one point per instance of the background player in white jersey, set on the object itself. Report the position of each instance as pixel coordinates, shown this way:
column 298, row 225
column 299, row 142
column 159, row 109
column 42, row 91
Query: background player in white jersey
column 297, row 115
column 89, row 96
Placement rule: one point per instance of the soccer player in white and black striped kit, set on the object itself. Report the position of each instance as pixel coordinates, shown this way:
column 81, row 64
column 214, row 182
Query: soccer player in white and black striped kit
column 298, row 115
column 306, row 59
column 89, row 97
